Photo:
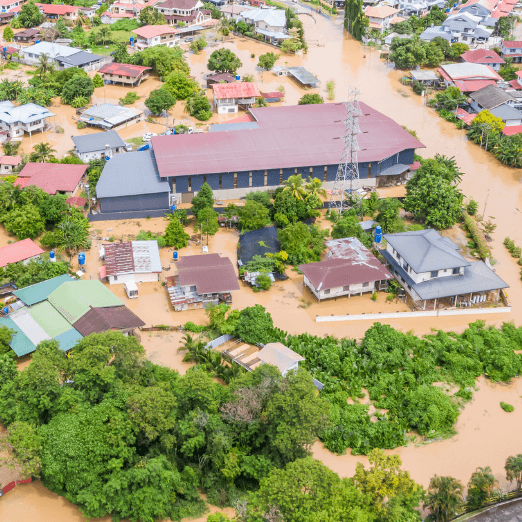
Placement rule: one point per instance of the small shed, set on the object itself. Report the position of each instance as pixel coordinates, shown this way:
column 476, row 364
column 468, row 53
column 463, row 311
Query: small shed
column 219, row 78
column 425, row 77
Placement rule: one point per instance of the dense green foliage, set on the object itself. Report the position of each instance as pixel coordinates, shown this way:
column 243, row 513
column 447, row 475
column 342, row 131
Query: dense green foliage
column 78, row 86
column 203, row 199
column 267, row 60
column 30, row 15
column 310, row 99
column 160, row 100
column 355, row 21
column 301, row 242
column 33, row 272
column 507, row 407
column 408, row 53
column 199, row 107
column 444, row 499
column 224, row 61
column 181, row 86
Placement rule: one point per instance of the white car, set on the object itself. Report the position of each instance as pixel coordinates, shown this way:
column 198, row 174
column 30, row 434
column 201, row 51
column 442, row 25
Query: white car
column 148, row 136
column 128, row 147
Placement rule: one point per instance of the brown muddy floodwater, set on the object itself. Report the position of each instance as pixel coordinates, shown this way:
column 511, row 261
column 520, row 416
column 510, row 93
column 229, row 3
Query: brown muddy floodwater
column 486, row 435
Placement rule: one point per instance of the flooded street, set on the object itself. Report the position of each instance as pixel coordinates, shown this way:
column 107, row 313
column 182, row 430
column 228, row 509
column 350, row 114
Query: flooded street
column 486, row 434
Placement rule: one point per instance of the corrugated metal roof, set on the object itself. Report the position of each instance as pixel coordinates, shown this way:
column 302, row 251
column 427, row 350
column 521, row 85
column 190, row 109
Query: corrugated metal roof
column 131, row 174
column 118, row 259
column 19, row 251
column 68, row 339
column 146, row 257
column 482, row 56
column 98, row 141
column 50, row 49
column 491, row 96
column 108, row 115
column 279, row 355
column 224, row 127
column 53, row 177
column 98, row 320
column 29, row 326
column 506, row 113
column 288, row 137
column 51, row 321
column 271, row 17
column 28, row 113
column 33, row 294
column 420, row 76
column 470, row 71
column 123, row 68
column 79, row 59
column 20, row 343
column 235, row 90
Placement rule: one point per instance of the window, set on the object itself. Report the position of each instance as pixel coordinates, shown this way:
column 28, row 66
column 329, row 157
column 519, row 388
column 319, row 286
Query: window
column 115, row 278
column 366, row 284
column 435, row 273
column 327, row 291
column 192, row 288
column 369, row 170
column 346, row 288
column 456, row 271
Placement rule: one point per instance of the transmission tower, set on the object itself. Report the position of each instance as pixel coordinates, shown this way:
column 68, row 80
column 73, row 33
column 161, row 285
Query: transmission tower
column 347, row 179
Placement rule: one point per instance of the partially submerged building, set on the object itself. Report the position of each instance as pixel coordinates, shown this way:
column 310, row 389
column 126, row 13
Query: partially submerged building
column 53, row 178
column 20, row 252
column 431, row 270
column 97, row 146
column 202, row 281
column 151, row 35
column 229, row 97
column 8, row 164
column 468, row 77
column 108, row 116
column 350, row 269
column 131, row 262
column 65, row 310
column 124, row 73
column 16, row 121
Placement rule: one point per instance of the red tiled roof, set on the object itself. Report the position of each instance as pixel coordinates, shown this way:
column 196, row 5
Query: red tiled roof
column 76, row 201
column 123, row 69
column 519, row 74
column 178, row 4
column 512, row 129
column 236, row 90
column 57, row 9
column 397, row 20
column 511, row 45
column 465, row 116
column 10, row 160
column 382, row 11
column 270, row 95
column 19, row 251
column 473, row 85
column 484, row 56
column 51, row 177
column 150, row 31
column 515, row 84
column 373, row 25
column 117, row 15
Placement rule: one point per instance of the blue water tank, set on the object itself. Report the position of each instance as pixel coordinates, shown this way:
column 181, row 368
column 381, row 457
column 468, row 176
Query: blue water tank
column 173, row 207
column 4, row 49
column 378, row 232
column 107, row 158
column 448, row 10
column 37, row 41
column 132, row 41
column 175, row 255
column 52, row 256
column 81, row 258
column 238, row 77
column 6, row 309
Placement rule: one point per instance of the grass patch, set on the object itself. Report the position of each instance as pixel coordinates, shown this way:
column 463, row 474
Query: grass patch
column 506, row 407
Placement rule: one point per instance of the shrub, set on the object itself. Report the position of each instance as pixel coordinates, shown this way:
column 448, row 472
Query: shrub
column 477, row 235
column 129, row 98
column 517, row 252
column 263, row 281
column 374, row 296
column 194, row 328
column 472, row 207
column 506, row 407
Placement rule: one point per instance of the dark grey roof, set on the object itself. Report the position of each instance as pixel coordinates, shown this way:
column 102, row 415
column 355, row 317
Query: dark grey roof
column 79, row 59
column 490, row 97
column 477, row 278
column 394, row 170
column 422, row 76
column 506, row 113
column 368, row 225
column 97, row 142
column 426, row 250
column 242, row 125
column 130, row 174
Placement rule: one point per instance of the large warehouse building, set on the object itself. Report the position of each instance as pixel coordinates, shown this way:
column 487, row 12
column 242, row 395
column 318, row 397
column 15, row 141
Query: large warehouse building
column 259, row 154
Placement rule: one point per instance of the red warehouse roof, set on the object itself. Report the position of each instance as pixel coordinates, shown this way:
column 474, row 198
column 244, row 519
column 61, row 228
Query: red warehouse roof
column 235, row 90
column 123, row 69
column 19, row 251
column 51, row 177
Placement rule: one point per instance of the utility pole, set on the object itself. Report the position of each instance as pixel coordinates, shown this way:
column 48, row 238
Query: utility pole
column 347, row 179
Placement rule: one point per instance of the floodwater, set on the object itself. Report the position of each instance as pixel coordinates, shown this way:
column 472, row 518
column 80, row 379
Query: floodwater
column 486, row 434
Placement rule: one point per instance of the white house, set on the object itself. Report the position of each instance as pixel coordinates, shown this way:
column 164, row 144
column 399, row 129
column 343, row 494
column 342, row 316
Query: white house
column 7, row 5
column 498, row 102
column 151, row 35
column 270, row 23
column 229, row 96
column 189, row 12
column 512, row 50
column 380, row 17
column 25, row 118
column 280, row 356
column 233, row 11
column 131, row 262
column 98, row 145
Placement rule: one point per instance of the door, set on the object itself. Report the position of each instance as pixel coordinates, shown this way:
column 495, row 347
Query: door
column 186, row 197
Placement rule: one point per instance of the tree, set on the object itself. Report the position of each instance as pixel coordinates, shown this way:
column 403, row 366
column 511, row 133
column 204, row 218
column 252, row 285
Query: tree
column 24, row 445
column 77, row 86
column 480, row 487
column 61, row 28
column 121, row 55
column 513, row 469
column 434, row 54
column 207, row 221
column 42, row 153
column 24, row 222
column 199, row 107
column 160, row 100
column 390, row 488
column 302, row 243
column 52, row 209
column 253, row 215
column 355, row 20
column 97, row 81
column 30, row 15
column 72, row 235
column 104, row 34
column 162, row 59
column 198, row 45
column 224, row 60
column 444, row 498
column 314, row 187
column 222, row 319
column 485, row 118
column 181, row 86
column 8, row 34
column 310, row 99
column 348, row 226
column 388, row 215
column 457, row 49
column 267, row 60
column 203, row 199
column 175, row 235
column 255, row 325
column 296, row 185
column 407, row 53
column 449, row 99
column 151, row 16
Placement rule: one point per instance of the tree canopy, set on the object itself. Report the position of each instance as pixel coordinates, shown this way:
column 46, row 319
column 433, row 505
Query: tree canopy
column 224, row 61
column 160, row 100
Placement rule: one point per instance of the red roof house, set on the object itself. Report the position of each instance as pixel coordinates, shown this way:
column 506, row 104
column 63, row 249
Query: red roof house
column 23, row 251
column 76, row 202
column 484, row 56
column 52, row 178
column 69, row 12
column 7, row 163
column 124, row 72
column 228, row 96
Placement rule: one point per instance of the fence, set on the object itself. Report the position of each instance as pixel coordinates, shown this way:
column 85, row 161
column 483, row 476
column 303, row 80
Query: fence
column 403, row 315
column 12, row 485
column 218, row 341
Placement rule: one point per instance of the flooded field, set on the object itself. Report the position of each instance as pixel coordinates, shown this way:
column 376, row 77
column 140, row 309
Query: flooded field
column 486, row 434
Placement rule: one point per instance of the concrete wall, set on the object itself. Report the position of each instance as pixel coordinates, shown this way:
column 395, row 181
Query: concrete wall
column 151, row 277
column 141, row 202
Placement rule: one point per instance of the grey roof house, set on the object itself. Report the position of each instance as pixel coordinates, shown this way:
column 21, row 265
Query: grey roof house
column 499, row 102
column 130, row 182
column 108, row 116
column 99, row 145
column 24, row 118
column 431, row 270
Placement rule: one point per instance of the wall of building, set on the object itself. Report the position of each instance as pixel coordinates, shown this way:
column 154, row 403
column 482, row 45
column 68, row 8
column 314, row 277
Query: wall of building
column 141, row 202
column 121, row 279
column 151, row 277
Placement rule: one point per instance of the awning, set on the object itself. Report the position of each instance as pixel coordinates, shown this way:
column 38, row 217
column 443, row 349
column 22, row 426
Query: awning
column 394, row 170
column 102, row 271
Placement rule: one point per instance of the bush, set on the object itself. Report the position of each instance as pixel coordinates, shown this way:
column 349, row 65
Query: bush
column 194, row 328
column 129, row 98
column 477, row 235
column 77, row 86
column 472, row 207
column 263, row 281
column 97, row 81
column 81, row 125
column 374, row 296
column 507, row 407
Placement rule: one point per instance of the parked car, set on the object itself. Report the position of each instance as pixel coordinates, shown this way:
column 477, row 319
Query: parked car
column 189, row 39
column 88, row 51
column 148, row 136
column 129, row 147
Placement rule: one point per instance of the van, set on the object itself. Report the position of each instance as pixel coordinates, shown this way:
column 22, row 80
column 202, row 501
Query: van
column 131, row 290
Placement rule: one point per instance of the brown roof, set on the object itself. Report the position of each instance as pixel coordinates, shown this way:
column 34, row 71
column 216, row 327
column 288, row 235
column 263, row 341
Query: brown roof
column 221, row 77
column 98, row 320
column 177, row 4
column 210, row 273
column 28, row 32
column 119, row 258
column 351, row 263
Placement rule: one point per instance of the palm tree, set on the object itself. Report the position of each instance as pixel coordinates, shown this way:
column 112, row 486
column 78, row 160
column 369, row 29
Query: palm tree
column 42, row 152
column 195, row 351
column 444, row 498
column 481, row 484
column 74, row 235
column 11, row 148
column 296, row 185
column 104, row 34
column 44, row 65
column 513, row 469
column 313, row 187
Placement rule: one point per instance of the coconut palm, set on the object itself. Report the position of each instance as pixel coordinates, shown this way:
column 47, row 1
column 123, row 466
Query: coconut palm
column 313, row 187
column 72, row 235
column 513, row 469
column 480, row 487
column 296, row 185
column 195, row 351
column 104, row 34
column 44, row 65
column 41, row 153
column 444, row 498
